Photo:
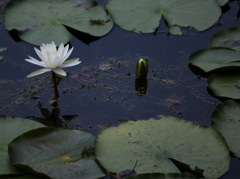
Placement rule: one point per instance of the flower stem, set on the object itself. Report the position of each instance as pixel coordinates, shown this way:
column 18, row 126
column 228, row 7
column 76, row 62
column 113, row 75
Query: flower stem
column 56, row 94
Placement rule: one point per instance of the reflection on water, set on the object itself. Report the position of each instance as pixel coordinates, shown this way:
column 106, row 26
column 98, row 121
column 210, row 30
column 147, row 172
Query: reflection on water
column 103, row 88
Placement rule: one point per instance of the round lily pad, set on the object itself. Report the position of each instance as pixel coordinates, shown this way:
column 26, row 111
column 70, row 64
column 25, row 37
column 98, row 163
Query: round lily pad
column 158, row 146
column 143, row 16
column 57, row 153
column 45, row 21
column 215, row 59
column 229, row 38
column 225, row 84
column 10, row 128
column 226, row 121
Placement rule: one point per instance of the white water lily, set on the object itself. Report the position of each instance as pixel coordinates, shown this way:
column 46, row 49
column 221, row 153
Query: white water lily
column 52, row 59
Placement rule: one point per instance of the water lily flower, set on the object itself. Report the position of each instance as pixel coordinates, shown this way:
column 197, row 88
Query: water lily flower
column 52, row 59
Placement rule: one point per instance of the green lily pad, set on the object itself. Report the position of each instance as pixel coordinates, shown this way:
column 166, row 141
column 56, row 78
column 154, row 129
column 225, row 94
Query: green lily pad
column 225, row 84
column 154, row 144
column 226, row 121
column 223, row 2
column 10, row 128
column 57, row 153
column 163, row 176
column 215, row 59
column 22, row 177
column 229, row 38
column 143, row 16
column 44, row 21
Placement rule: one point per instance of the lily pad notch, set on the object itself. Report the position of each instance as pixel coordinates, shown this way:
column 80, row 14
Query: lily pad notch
column 144, row 16
column 155, row 144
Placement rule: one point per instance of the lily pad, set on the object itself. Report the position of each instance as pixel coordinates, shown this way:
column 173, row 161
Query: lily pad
column 223, row 2
column 226, row 121
column 57, row 153
column 155, row 144
column 163, row 176
column 215, row 59
column 143, row 16
column 225, row 84
column 229, row 38
column 10, row 128
column 45, row 21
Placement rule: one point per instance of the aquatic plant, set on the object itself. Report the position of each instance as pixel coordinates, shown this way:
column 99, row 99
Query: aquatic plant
column 53, row 59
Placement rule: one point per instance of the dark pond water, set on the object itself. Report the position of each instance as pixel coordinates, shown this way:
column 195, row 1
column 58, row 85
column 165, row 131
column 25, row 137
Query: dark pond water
column 101, row 90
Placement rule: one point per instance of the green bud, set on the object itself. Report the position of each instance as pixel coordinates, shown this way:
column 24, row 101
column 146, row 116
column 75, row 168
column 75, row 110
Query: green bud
column 142, row 68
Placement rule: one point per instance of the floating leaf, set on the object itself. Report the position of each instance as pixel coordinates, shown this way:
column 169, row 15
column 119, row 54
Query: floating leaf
column 57, row 153
column 151, row 143
column 22, row 177
column 223, row 2
column 143, row 16
column 10, row 128
column 163, row 176
column 229, row 38
column 226, row 121
column 45, row 21
column 225, row 84
column 215, row 58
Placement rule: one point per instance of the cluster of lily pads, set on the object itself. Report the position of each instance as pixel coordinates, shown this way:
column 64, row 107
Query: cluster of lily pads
column 221, row 63
column 158, row 147
column 45, row 21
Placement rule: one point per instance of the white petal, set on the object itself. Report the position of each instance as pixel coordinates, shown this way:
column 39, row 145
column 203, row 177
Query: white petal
column 35, row 62
column 65, row 51
column 60, row 50
column 70, row 63
column 41, row 55
column 38, row 72
column 68, row 54
column 56, row 62
column 49, row 60
column 59, row 71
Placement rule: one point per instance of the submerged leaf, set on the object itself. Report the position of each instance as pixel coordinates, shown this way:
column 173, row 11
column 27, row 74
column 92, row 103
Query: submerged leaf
column 153, row 142
column 226, row 121
column 54, row 152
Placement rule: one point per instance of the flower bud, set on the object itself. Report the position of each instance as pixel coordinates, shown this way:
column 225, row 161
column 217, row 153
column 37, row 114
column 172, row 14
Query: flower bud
column 142, row 68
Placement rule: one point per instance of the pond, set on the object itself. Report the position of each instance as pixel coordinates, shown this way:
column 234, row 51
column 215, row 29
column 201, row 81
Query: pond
column 103, row 88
